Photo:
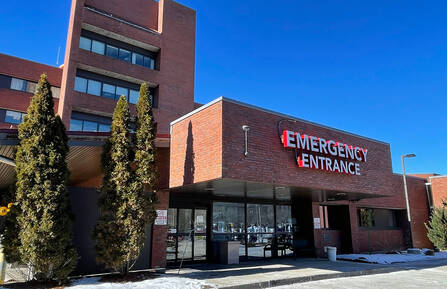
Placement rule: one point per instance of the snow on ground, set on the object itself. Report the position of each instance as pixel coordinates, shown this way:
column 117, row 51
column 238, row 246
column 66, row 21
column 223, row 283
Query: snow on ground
column 391, row 258
column 158, row 283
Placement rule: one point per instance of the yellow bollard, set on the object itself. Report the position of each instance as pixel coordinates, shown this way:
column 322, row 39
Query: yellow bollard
column 2, row 266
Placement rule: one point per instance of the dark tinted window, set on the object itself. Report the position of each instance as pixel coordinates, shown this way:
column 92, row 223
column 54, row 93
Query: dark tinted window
column 124, row 55
column 379, row 218
column 112, row 51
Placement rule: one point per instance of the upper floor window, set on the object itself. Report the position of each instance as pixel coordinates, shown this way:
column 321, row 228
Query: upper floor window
column 30, row 86
column 116, row 49
column 14, row 117
column 89, row 122
column 108, row 88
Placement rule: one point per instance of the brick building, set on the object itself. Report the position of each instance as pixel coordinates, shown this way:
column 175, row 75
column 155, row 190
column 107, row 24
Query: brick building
column 228, row 171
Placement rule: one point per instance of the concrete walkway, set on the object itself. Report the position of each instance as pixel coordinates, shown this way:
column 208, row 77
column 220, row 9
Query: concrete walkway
column 277, row 272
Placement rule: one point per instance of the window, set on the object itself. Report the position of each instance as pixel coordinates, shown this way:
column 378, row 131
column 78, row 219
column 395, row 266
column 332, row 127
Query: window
column 149, row 62
column 75, row 125
column 94, row 87
column 31, row 87
column 260, row 218
column 98, row 47
column 138, row 59
column 104, row 127
column 112, row 51
column 100, row 85
column 88, row 126
column 56, row 91
column 18, row 84
column 81, row 84
column 108, row 91
column 379, row 218
column 122, row 91
column 124, row 55
column 284, row 219
column 134, row 95
column 13, row 117
column 85, row 43
column 228, row 218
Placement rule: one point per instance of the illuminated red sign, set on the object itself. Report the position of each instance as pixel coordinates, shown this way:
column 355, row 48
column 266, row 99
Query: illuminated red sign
column 321, row 154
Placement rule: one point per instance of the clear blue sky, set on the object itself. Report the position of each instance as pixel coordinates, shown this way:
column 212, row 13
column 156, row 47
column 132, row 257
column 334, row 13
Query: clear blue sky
column 375, row 68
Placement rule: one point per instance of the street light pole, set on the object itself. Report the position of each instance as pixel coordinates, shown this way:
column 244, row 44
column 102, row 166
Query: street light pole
column 407, row 202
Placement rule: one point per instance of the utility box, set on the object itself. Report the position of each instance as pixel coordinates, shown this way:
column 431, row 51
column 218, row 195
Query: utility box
column 227, row 252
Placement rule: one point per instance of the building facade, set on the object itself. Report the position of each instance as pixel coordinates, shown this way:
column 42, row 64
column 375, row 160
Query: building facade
column 229, row 171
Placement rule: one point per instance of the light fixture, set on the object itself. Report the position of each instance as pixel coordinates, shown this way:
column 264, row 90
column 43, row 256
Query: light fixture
column 246, row 128
column 409, row 156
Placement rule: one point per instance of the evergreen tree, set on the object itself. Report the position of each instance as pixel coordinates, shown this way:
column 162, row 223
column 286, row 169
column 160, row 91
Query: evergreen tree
column 114, row 246
column 146, row 173
column 146, row 151
column 108, row 233
column 437, row 227
column 45, row 220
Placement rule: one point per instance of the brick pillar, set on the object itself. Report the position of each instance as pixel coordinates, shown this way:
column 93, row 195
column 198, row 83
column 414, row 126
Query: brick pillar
column 354, row 227
column 160, row 234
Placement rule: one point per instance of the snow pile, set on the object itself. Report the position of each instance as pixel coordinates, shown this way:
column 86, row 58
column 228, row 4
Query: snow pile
column 158, row 283
column 391, row 258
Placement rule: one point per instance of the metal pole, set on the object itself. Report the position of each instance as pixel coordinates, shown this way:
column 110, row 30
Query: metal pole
column 407, row 202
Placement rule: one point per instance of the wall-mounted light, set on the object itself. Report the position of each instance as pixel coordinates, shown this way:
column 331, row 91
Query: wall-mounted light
column 246, row 128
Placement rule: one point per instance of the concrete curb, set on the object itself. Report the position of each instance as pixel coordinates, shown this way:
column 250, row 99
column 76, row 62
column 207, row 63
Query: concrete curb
column 304, row 279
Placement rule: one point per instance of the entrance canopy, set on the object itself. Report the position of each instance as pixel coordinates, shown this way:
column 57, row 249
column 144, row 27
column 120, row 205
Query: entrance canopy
column 83, row 160
column 252, row 190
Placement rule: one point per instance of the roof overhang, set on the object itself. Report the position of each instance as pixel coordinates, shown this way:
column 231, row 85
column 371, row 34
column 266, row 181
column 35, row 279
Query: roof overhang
column 83, row 160
column 231, row 188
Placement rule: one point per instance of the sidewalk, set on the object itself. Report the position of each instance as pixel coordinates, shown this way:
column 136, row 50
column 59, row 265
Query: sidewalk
column 276, row 272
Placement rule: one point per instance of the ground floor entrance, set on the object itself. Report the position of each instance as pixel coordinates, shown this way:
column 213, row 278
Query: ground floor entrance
column 264, row 228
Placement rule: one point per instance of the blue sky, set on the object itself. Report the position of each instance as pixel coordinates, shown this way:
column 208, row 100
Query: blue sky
column 375, row 68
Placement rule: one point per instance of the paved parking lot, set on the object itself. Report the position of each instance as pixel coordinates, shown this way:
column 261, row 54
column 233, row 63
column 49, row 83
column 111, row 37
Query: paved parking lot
column 427, row 278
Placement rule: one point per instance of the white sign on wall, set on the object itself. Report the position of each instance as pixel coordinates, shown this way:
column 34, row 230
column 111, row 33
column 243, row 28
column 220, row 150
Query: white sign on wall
column 317, row 223
column 162, row 218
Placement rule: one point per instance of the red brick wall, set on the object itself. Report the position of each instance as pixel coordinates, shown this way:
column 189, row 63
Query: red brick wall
column 146, row 15
column 269, row 162
column 29, row 70
column 439, row 190
column 222, row 156
column 176, row 40
column 18, row 100
column 196, row 147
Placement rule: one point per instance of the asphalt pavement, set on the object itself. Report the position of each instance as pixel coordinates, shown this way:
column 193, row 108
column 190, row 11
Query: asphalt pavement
column 413, row 275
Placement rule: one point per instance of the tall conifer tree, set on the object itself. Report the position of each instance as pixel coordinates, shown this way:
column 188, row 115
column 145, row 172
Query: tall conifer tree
column 45, row 220
column 146, row 173
column 114, row 242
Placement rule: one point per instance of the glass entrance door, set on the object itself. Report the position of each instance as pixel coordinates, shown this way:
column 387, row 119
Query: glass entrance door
column 186, row 235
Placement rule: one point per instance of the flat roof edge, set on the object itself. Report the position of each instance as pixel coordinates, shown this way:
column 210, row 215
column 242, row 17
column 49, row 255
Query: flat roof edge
column 274, row 113
column 437, row 177
column 196, row 110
